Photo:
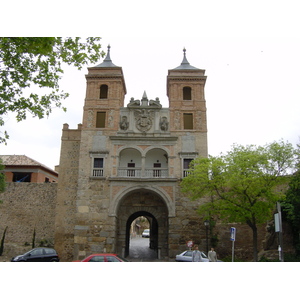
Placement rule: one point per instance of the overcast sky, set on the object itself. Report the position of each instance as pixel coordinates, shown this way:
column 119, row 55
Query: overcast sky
column 250, row 51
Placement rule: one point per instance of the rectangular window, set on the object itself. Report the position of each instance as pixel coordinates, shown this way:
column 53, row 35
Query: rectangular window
column 187, row 121
column 98, row 162
column 98, row 167
column 100, row 121
column 21, row 177
column 186, row 166
column 186, row 163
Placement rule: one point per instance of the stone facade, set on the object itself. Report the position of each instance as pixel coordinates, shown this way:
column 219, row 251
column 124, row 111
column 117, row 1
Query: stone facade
column 126, row 162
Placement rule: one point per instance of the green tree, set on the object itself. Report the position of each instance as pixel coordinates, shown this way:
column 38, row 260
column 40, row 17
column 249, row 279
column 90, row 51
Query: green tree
column 242, row 186
column 291, row 206
column 29, row 62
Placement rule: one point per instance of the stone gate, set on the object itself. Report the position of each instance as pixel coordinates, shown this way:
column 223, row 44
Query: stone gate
column 124, row 162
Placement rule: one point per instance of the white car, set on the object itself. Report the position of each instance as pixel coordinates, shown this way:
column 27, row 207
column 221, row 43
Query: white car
column 186, row 256
column 146, row 233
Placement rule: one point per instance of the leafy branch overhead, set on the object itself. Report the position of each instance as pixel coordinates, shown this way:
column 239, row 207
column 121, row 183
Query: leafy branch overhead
column 31, row 69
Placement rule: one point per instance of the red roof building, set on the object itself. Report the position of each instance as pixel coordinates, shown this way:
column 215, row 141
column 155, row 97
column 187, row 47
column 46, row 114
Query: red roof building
column 21, row 168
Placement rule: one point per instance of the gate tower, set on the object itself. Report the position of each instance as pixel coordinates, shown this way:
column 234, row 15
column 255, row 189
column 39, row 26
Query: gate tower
column 123, row 162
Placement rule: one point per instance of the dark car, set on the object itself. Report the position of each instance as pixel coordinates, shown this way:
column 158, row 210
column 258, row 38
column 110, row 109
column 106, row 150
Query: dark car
column 38, row 254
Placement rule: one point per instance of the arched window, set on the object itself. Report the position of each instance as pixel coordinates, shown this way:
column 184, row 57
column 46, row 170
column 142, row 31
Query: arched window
column 187, row 93
column 103, row 91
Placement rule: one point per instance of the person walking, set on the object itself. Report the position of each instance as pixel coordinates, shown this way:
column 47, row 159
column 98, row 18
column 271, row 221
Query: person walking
column 212, row 255
column 196, row 255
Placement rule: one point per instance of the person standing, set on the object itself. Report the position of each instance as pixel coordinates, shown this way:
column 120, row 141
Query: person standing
column 196, row 255
column 212, row 255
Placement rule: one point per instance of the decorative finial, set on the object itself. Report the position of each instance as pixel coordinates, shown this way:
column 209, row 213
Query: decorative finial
column 145, row 95
column 184, row 64
column 107, row 60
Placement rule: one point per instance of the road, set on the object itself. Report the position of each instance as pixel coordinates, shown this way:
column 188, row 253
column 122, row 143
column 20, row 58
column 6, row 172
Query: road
column 139, row 250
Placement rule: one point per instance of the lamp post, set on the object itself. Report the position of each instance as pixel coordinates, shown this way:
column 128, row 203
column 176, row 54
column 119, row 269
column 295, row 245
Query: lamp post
column 206, row 223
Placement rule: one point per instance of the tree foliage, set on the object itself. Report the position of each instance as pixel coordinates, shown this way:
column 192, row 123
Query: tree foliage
column 243, row 185
column 27, row 63
column 291, row 206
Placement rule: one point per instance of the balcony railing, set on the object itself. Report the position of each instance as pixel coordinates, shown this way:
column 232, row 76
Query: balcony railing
column 148, row 173
column 97, row 172
column 186, row 172
column 137, row 172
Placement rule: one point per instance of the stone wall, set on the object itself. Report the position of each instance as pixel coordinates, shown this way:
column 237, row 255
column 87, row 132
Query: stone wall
column 27, row 207
column 65, row 210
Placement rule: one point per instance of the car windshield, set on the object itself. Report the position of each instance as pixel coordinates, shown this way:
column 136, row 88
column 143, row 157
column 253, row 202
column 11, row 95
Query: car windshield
column 35, row 251
column 189, row 253
column 97, row 258
column 26, row 253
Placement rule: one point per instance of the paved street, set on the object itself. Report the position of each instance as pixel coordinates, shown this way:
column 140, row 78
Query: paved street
column 139, row 250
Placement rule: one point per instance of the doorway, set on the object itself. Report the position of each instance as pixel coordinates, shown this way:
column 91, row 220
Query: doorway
column 148, row 205
column 137, row 246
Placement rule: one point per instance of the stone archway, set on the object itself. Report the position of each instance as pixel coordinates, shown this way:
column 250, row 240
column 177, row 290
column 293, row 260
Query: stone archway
column 153, row 239
column 143, row 202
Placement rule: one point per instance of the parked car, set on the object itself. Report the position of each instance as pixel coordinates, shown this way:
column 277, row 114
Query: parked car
column 186, row 256
column 146, row 233
column 37, row 255
column 104, row 257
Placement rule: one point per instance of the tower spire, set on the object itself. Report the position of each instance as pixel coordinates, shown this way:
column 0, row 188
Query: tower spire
column 107, row 58
column 107, row 62
column 185, row 64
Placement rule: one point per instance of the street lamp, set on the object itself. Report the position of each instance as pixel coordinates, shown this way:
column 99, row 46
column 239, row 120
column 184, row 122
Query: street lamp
column 206, row 224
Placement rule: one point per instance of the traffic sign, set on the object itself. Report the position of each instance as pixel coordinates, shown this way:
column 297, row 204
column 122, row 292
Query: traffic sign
column 190, row 244
column 232, row 233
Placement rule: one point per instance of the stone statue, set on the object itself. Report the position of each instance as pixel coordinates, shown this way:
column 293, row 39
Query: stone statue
column 164, row 124
column 124, row 123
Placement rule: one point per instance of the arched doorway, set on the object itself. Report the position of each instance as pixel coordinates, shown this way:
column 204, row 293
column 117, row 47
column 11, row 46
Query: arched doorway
column 143, row 202
column 151, row 242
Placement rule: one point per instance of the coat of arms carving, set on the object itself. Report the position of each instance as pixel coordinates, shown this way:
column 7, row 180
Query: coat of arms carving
column 143, row 118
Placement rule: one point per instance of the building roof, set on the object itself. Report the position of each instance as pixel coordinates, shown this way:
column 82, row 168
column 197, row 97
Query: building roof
column 107, row 63
column 185, row 65
column 22, row 160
